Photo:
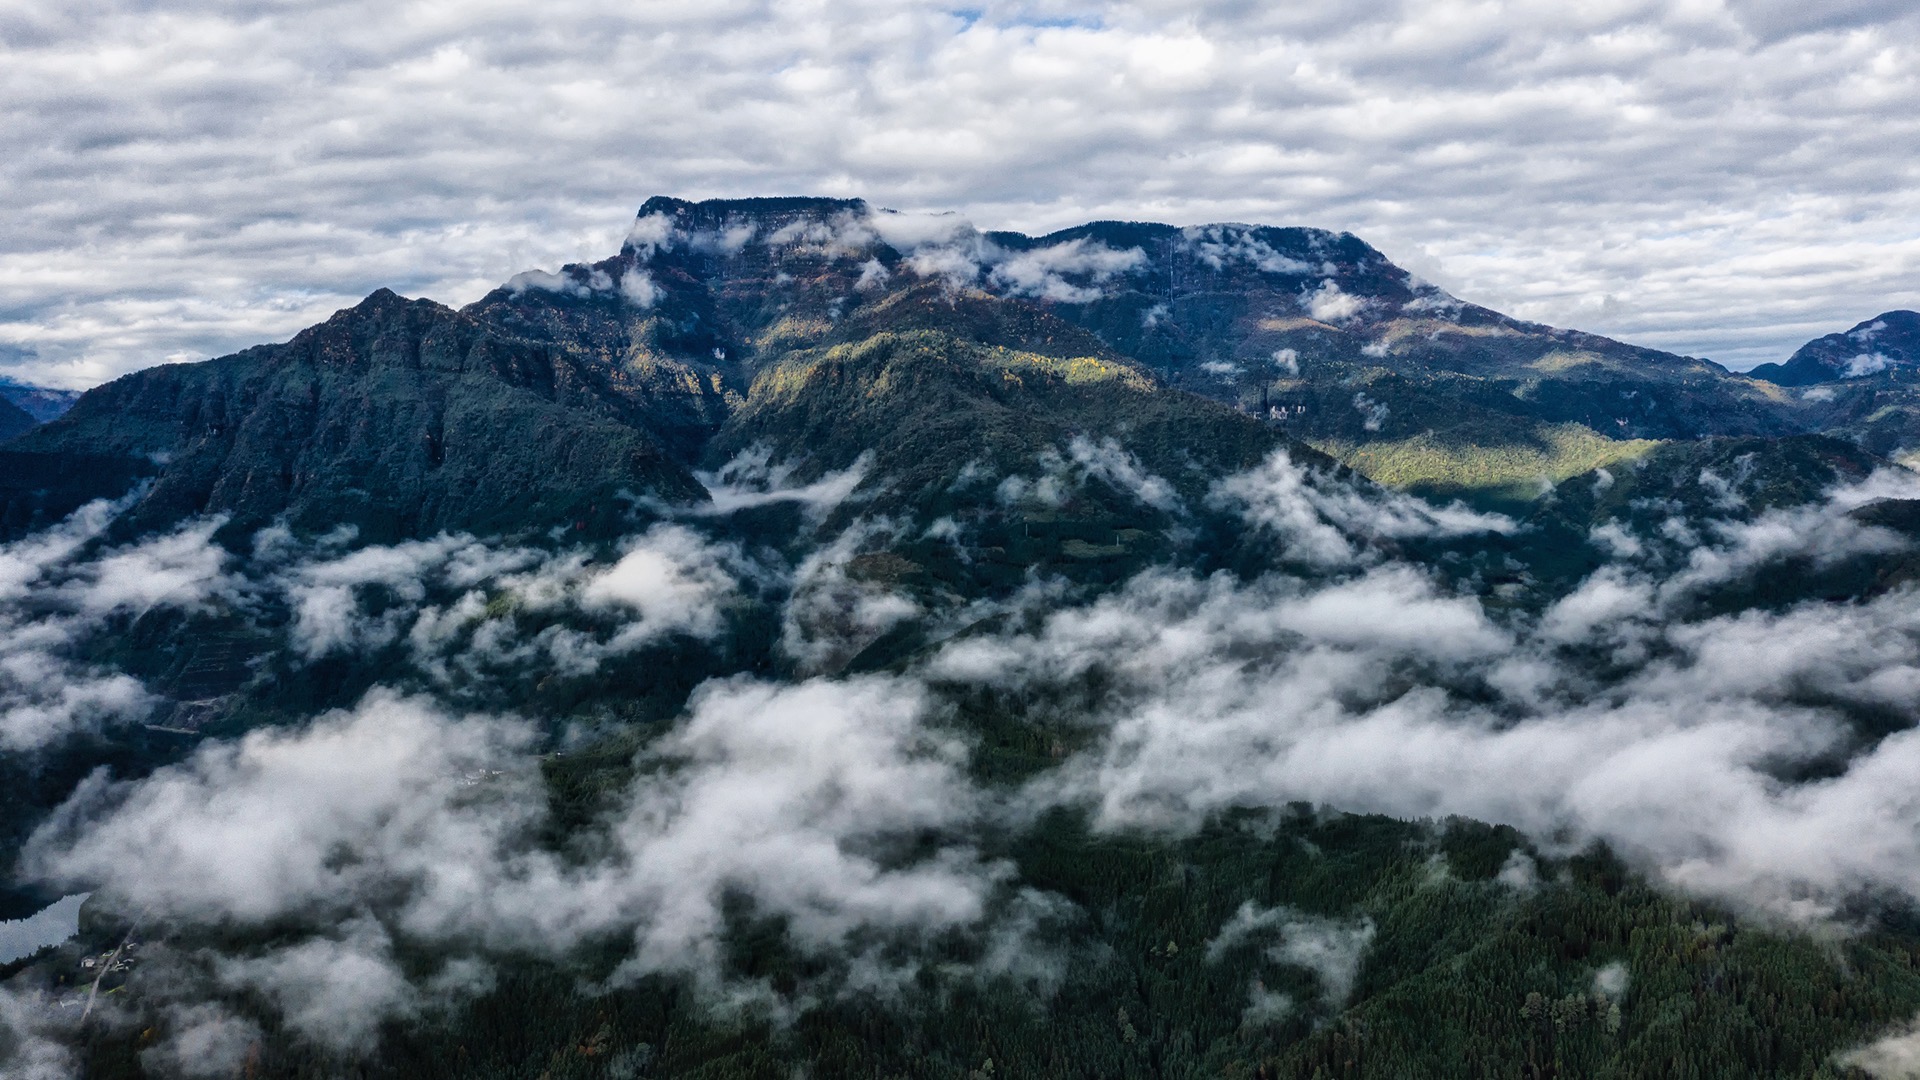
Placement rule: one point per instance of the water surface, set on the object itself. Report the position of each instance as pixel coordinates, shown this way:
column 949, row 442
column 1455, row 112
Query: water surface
column 51, row 925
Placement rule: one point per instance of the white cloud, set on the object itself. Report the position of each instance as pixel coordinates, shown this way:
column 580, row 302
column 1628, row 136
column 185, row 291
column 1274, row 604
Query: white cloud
column 57, row 589
column 670, row 578
column 832, row 613
column 1330, row 948
column 399, row 820
column 1373, row 413
column 34, row 1043
column 638, row 287
column 752, row 478
column 1866, row 364
column 203, row 1041
column 1894, row 1056
column 182, row 569
column 873, row 276
column 1611, row 980
column 335, row 990
column 1043, row 272
column 1319, row 516
column 1111, row 462
column 1543, row 161
column 1218, row 245
column 1329, row 304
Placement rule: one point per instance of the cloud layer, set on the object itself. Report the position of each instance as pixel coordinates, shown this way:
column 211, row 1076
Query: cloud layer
column 1719, row 177
column 1762, row 758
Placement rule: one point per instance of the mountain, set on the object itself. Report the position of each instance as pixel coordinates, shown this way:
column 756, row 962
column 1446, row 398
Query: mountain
column 40, row 402
column 820, row 640
column 646, row 357
column 13, row 420
column 398, row 417
column 1887, row 342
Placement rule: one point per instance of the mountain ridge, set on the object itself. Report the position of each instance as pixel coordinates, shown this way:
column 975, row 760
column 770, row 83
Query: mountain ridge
column 1315, row 334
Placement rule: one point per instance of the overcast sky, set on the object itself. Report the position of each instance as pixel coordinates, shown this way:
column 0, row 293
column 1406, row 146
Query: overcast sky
column 1724, row 178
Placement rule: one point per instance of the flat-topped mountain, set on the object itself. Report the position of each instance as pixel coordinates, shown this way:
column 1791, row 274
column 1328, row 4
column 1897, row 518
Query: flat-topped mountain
column 559, row 391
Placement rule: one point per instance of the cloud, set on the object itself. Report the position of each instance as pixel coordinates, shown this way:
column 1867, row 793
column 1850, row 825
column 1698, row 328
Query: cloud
column 1218, row 245
column 1320, row 517
column 34, row 1044
column 669, row 578
column 1611, row 980
column 1044, row 272
column 204, row 1041
column 639, row 288
column 399, row 820
column 1373, row 413
column 666, row 581
column 1541, row 162
column 1721, row 753
column 252, row 830
column 752, row 478
column 1109, row 461
column 1866, row 364
column 832, row 612
column 1331, row 949
column 1361, row 697
column 327, row 609
column 1895, row 1056
column 334, row 990
column 58, row 588
column 779, row 788
column 1329, row 304
column 182, row 569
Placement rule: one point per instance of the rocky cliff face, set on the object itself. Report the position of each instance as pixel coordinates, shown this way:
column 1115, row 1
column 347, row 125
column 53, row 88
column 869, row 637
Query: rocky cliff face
column 398, row 417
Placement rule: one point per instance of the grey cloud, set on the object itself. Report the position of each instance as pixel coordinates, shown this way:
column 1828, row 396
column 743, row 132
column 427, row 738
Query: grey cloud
column 204, row 1041
column 1686, row 177
column 34, row 1040
column 1781, row 18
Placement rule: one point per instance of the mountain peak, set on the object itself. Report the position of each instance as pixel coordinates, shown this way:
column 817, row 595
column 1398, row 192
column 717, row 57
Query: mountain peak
column 764, row 215
column 1888, row 341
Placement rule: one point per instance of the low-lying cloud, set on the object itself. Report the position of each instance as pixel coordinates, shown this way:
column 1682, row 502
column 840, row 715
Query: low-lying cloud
column 1726, row 754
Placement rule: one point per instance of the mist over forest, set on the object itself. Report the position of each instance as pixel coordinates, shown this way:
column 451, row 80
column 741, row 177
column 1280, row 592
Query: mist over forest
column 815, row 640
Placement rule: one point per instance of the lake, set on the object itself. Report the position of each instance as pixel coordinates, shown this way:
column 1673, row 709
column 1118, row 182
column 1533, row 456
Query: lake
column 51, row 925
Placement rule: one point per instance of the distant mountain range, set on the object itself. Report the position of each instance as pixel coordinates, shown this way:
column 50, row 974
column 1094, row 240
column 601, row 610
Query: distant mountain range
column 714, row 323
